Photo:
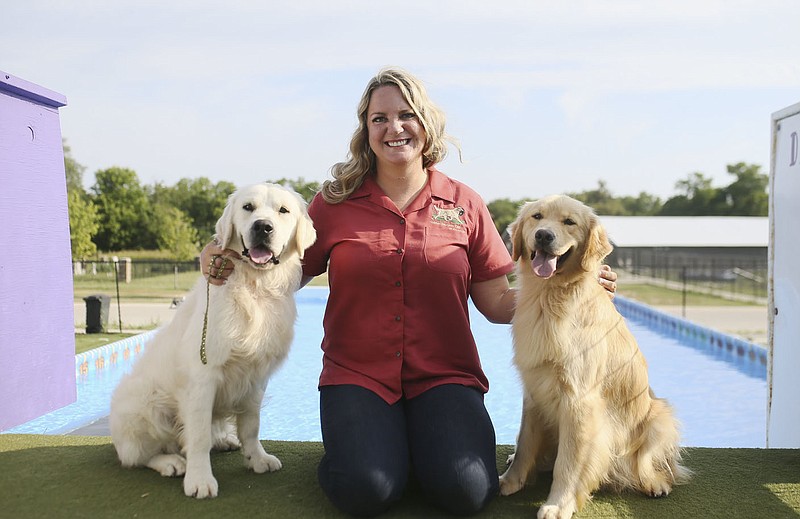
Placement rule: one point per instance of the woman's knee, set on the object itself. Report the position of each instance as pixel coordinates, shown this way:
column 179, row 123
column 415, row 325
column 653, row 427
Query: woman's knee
column 362, row 492
column 466, row 489
column 365, row 466
column 455, row 465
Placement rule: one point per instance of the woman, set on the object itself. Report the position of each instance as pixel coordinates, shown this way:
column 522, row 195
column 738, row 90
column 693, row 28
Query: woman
column 401, row 389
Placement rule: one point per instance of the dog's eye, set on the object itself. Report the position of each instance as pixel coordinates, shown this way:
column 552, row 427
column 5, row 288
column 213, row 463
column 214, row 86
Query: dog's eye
column 569, row 221
column 537, row 216
column 249, row 207
column 283, row 210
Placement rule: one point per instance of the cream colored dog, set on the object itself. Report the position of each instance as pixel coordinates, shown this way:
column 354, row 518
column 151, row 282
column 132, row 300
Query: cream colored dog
column 175, row 406
column 587, row 406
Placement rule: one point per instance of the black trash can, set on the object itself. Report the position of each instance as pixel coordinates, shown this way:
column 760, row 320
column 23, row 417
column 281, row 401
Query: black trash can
column 97, row 313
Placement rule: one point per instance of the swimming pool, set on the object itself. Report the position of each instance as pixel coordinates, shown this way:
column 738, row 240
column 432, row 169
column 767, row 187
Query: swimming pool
column 716, row 383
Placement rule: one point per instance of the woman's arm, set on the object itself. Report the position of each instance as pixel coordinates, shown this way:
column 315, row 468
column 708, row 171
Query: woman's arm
column 304, row 280
column 495, row 299
column 217, row 270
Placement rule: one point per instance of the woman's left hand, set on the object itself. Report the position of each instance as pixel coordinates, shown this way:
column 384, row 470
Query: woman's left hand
column 608, row 280
column 216, row 264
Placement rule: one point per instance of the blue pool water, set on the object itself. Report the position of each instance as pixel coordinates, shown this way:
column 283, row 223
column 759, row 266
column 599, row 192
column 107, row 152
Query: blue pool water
column 719, row 393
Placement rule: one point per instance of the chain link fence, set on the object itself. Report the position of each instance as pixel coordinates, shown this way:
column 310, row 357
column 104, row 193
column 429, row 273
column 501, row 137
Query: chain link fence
column 739, row 275
column 134, row 279
column 129, row 269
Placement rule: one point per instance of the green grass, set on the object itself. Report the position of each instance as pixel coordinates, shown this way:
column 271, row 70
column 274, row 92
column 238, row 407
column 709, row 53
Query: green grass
column 142, row 255
column 146, row 289
column 660, row 296
column 153, row 289
column 80, row 476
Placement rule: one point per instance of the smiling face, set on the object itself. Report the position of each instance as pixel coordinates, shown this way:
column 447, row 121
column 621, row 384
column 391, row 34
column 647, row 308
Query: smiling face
column 268, row 221
column 395, row 133
column 559, row 235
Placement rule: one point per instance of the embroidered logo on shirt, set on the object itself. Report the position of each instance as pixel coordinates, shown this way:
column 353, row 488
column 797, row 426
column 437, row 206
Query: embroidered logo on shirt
column 448, row 216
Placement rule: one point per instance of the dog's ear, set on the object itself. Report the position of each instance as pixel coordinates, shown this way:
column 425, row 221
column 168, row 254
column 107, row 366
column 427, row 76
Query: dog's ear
column 597, row 245
column 304, row 235
column 224, row 229
column 517, row 238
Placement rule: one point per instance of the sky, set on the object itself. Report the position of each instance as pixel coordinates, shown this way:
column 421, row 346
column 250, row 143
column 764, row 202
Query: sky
column 543, row 96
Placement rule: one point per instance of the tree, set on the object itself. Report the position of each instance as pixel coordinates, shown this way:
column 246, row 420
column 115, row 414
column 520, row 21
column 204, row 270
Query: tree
column 307, row 190
column 504, row 211
column 174, row 232
column 124, row 210
column 643, row 205
column 83, row 218
column 697, row 198
column 747, row 195
column 83, row 225
column 73, row 170
column 200, row 200
column 601, row 200
column 605, row 203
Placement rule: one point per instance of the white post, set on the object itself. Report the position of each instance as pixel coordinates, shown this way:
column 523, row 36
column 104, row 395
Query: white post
column 783, row 382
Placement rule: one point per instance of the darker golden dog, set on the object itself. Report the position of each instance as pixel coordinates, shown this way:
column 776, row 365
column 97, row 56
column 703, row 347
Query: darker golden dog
column 588, row 410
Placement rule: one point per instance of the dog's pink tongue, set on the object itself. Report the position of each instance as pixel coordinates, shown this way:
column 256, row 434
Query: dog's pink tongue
column 260, row 256
column 543, row 264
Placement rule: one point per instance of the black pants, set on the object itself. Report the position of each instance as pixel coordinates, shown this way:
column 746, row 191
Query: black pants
column 444, row 435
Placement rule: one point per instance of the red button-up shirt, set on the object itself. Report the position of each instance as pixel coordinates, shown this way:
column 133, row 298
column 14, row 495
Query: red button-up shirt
column 397, row 319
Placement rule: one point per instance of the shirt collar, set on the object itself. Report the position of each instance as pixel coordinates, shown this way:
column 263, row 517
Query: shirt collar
column 441, row 186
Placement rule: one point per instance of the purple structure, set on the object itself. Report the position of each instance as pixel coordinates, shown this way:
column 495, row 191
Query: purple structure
column 37, row 344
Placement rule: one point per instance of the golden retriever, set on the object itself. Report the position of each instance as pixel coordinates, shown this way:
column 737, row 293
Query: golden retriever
column 588, row 411
column 176, row 404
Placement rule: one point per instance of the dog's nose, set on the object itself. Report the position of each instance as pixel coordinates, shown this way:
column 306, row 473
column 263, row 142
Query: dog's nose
column 544, row 237
column 262, row 228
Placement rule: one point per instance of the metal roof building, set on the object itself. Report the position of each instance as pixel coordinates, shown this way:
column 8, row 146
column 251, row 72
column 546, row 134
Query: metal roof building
column 711, row 249
column 687, row 231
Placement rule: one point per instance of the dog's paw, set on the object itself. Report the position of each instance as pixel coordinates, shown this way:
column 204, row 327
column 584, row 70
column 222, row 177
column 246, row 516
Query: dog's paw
column 263, row 462
column 555, row 512
column 510, row 485
column 168, row 465
column 658, row 489
column 510, row 459
column 200, row 486
column 228, row 442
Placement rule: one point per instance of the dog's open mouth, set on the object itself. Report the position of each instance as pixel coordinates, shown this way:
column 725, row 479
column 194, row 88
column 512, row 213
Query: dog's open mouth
column 260, row 255
column 545, row 264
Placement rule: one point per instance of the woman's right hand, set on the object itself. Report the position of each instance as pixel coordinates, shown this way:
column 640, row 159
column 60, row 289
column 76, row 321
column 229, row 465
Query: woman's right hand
column 216, row 263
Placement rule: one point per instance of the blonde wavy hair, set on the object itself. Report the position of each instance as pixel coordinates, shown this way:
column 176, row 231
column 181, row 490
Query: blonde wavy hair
column 349, row 175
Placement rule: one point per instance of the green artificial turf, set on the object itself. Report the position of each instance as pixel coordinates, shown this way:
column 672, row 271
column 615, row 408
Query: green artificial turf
column 79, row 476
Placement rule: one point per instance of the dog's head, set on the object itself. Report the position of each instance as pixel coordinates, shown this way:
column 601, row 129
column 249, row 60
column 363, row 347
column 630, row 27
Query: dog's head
column 559, row 235
column 267, row 222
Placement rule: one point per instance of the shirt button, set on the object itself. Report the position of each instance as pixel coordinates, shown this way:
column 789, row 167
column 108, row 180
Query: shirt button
column 399, row 251
column 402, row 221
column 396, row 317
column 397, row 354
column 397, row 283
